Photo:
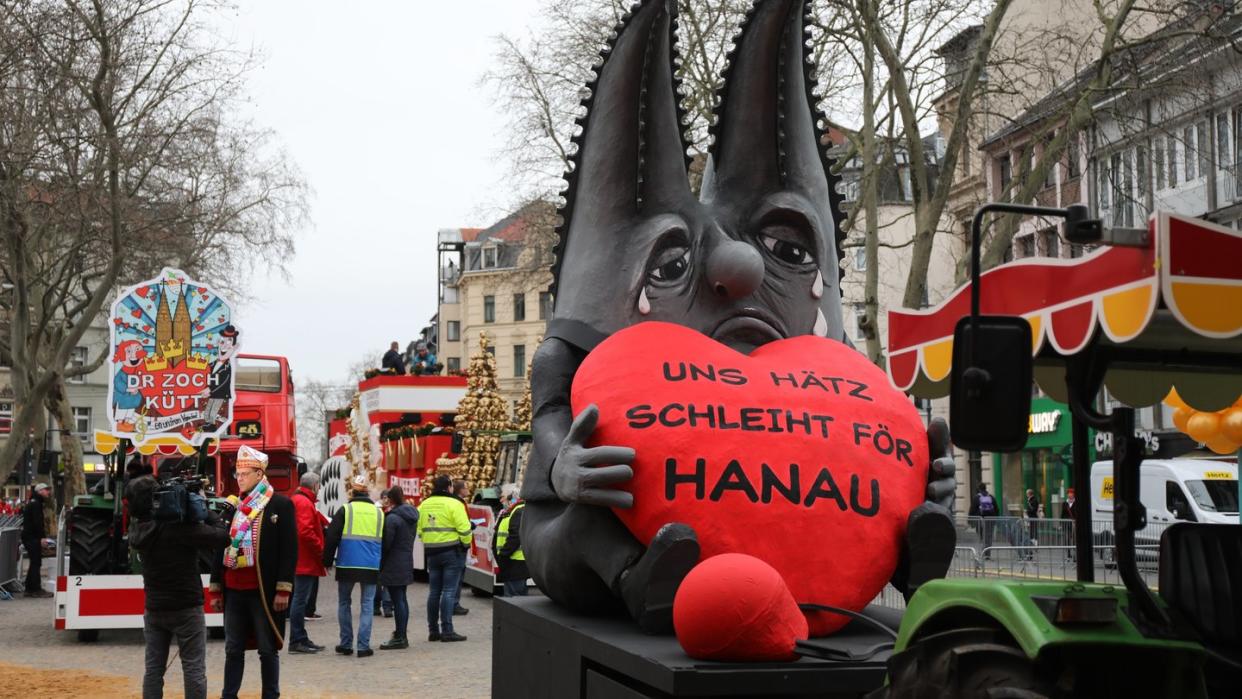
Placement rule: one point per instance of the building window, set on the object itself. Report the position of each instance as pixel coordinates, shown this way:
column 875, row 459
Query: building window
column 450, row 294
column 519, row 308
column 519, row 361
column 1051, row 242
column 1125, row 197
column 1104, row 186
column 1157, row 162
column 545, row 305
column 1140, row 171
column 489, row 309
column 860, row 321
column 1005, row 172
column 454, row 364
column 1050, row 177
column 1026, row 246
column 1171, row 160
column 1073, row 165
column 1205, row 153
column 860, row 259
column 6, row 417
column 1191, row 158
column 81, row 421
column 492, row 350
column 489, row 257
column 1222, row 141
column 76, row 361
column 452, row 330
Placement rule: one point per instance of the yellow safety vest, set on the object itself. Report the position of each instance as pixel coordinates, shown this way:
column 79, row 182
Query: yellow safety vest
column 502, row 534
column 443, row 522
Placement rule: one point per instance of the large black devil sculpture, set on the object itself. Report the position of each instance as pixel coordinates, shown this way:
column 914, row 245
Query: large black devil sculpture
column 752, row 260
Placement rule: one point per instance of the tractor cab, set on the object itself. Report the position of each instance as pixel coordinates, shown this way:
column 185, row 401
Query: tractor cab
column 1154, row 314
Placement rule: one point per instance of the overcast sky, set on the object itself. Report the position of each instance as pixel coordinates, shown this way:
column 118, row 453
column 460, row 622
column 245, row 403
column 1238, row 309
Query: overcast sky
column 380, row 105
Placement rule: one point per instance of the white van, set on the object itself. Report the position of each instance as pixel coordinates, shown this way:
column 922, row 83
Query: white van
column 1172, row 490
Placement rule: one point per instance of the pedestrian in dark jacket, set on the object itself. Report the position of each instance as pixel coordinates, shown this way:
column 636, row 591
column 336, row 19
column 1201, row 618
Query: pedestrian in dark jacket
column 397, row 565
column 507, row 544
column 255, row 575
column 33, row 534
column 172, row 585
column 392, row 361
column 356, row 551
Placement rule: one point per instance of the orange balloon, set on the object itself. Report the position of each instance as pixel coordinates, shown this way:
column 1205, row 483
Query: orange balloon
column 1180, row 417
column 1174, row 399
column 1203, row 426
column 1222, row 445
column 1231, row 424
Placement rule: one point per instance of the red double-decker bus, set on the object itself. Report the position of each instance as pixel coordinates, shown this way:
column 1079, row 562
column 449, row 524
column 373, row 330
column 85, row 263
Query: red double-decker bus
column 263, row 419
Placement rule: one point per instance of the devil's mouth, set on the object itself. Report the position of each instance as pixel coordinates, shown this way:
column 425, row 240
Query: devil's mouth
column 747, row 330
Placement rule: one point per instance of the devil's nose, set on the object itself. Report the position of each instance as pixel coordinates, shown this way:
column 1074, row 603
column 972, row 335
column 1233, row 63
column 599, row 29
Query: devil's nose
column 734, row 270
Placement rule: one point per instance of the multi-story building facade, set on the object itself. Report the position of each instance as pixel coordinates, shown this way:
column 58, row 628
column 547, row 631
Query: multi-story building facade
column 496, row 283
column 1166, row 139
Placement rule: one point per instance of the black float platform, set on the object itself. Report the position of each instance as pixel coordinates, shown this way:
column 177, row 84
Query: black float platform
column 539, row 650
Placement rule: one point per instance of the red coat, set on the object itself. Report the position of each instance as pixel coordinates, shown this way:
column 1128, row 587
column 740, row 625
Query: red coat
column 310, row 534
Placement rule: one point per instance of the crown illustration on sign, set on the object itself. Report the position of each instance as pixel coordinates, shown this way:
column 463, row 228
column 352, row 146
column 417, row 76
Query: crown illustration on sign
column 197, row 361
column 156, row 363
column 172, row 349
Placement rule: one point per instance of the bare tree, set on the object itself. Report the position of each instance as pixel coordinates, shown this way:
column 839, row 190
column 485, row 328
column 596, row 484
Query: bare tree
column 116, row 157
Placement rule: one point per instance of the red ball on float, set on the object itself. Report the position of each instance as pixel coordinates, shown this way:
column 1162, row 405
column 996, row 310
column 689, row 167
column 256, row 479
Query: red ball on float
column 735, row 607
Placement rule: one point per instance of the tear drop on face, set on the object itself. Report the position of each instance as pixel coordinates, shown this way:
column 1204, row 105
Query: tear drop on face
column 644, row 306
column 817, row 288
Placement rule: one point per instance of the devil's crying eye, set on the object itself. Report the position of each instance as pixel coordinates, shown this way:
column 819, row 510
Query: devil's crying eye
column 777, row 241
column 669, row 264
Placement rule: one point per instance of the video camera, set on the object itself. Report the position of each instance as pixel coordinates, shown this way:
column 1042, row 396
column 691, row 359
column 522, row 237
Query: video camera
column 179, row 499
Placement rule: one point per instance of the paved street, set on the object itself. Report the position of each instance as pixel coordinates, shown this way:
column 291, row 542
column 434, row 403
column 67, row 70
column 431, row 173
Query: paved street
column 446, row 670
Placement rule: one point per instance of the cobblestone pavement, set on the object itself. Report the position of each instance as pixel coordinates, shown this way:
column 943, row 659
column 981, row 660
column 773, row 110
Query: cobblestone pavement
column 444, row 670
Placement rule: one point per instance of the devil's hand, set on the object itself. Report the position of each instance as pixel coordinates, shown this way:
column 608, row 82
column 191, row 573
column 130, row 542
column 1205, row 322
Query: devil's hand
column 941, row 485
column 584, row 474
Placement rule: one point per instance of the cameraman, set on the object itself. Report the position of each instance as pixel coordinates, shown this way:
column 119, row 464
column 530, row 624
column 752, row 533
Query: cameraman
column 173, row 586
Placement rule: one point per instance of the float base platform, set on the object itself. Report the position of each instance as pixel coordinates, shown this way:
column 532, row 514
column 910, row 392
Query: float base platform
column 540, row 650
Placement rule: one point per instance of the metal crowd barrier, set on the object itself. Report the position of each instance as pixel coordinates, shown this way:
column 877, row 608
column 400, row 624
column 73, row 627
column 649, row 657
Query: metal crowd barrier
column 1016, row 548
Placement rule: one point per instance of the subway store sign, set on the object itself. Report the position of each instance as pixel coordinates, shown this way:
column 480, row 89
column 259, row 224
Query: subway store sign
column 1049, row 424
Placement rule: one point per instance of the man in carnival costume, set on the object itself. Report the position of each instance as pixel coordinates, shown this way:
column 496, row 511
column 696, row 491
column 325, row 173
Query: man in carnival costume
column 253, row 581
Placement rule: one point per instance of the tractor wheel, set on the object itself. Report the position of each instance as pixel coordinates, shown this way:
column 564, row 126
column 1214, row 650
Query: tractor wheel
column 89, row 543
column 972, row 663
column 88, row 635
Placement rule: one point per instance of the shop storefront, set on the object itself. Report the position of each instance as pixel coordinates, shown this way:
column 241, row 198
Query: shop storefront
column 1044, row 465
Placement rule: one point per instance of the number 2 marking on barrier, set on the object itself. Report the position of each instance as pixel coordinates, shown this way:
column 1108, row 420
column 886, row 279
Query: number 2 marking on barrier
column 77, row 581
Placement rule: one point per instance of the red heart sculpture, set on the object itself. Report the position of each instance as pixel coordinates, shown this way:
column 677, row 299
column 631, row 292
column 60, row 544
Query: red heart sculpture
column 146, row 328
column 137, row 313
column 142, row 291
column 198, row 328
column 800, row 454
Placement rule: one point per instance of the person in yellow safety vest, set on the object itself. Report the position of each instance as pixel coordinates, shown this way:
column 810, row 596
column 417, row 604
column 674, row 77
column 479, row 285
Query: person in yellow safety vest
column 357, row 529
column 511, row 570
column 444, row 527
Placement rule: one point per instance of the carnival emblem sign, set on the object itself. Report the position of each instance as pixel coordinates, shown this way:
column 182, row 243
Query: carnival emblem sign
column 172, row 351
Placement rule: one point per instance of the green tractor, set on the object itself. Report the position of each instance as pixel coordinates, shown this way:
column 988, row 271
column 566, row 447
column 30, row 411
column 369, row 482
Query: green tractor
column 989, row 638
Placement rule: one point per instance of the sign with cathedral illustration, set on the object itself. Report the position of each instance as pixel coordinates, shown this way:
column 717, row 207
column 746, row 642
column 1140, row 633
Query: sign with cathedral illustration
column 172, row 351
